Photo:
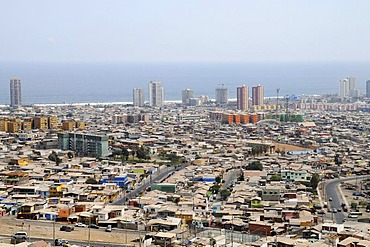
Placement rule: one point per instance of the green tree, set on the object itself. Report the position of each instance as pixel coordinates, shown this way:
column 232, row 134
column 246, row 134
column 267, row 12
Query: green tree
column 354, row 205
column 175, row 159
column 54, row 157
column 255, row 165
column 215, row 189
column 125, row 153
column 70, row 155
column 275, row 177
column 315, row 179
column 218, row 179
column 91, row 181
column 143, row 153
column 225, row 194
column 363, row 203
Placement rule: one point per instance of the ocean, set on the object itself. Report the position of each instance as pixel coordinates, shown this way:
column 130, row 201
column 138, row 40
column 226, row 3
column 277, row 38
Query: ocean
column 50, row 83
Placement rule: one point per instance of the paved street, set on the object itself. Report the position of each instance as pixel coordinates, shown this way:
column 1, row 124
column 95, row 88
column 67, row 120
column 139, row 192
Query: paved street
column 331, row 190
column 148, row 182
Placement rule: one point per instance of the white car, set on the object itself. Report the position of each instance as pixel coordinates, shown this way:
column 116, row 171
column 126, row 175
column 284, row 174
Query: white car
column 79, row 224
column 20, row 236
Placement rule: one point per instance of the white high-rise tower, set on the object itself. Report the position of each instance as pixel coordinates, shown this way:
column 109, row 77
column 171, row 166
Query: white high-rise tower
column 15, row 92
column 138, row 97
column 156, row 93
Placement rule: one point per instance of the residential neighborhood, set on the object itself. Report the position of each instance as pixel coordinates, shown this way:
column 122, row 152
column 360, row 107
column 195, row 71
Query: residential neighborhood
column 184, row 176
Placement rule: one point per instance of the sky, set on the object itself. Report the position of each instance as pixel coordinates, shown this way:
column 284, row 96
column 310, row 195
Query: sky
column 184, row 31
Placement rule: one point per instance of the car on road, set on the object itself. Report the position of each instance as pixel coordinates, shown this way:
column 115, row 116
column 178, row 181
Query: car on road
column 79, row 224
column 94, row 226
column 66, row 228
column 20, row 236
column 109, row 228
column 335, row 210
column 330, row 199
column 61, row 242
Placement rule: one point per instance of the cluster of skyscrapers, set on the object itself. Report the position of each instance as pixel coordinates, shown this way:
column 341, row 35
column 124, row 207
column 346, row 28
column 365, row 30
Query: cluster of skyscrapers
column 156, row 95
column 347, row 88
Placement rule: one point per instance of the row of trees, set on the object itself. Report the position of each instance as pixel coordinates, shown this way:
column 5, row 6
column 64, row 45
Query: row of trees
column 142, row 153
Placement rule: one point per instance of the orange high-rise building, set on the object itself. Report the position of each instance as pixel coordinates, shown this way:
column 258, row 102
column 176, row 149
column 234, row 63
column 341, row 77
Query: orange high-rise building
column 242, row 98
column 257, row 95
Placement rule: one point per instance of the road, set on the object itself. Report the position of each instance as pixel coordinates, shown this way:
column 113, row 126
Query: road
column 6, row 238
column 157, row 177
column 230, row 177
column 331, row 190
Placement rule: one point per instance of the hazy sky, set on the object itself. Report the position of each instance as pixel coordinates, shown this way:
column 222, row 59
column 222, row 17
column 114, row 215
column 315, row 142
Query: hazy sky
column 188, row 30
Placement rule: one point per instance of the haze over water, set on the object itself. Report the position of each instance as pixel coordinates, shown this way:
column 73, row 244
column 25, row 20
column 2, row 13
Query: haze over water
column 113, row 82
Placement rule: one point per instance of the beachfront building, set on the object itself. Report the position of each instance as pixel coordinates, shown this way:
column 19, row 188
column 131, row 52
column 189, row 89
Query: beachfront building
column 187, row 94
column 257, row 95
column 156, row 94
column 222, row 95
column 15, row 92
column 138, row 97
column 242, row 98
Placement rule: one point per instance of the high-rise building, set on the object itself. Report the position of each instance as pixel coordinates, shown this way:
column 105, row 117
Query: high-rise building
column 222, row 95
column 84, row 144
column 368, row 88
column 343, row 88
column 351, row 84
column 187, row 94
column 347, row 88
column 138, row 97
column 257, row 95
column 15, row 92
column 242, row 98
column 156, row 94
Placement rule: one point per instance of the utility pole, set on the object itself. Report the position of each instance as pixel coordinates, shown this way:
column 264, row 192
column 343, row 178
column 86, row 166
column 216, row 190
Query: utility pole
column 287, row 108
column 277, row 103
column 89, row 233
column 54, row 231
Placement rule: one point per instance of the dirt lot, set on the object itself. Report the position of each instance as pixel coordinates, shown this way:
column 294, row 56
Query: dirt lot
column 10, row 225
column 288, row 147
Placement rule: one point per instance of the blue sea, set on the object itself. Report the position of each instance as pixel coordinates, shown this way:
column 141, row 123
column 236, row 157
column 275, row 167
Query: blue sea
column 113, row 82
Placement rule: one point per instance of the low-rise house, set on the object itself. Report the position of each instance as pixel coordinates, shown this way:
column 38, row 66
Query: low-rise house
column 167, row 224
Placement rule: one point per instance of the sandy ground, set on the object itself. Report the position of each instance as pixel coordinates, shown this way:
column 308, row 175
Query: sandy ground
column 288, row 147
column 9, row 225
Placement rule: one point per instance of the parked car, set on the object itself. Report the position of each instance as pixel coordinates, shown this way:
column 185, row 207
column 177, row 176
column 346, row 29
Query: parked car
column 20, row 236
column 66, row 228
column 94, row 226
column 79, row 224
column 109, row 228
column 61, row 242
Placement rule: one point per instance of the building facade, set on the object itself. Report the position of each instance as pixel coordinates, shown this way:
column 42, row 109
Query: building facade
column 347, row 88
column 257, row 95
column 242, row 98
column 222, row 95
column 15, row 92
column 156, row 94
column 187, row 94
column 138, row 97
column 84, row 144
column 368, row 88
